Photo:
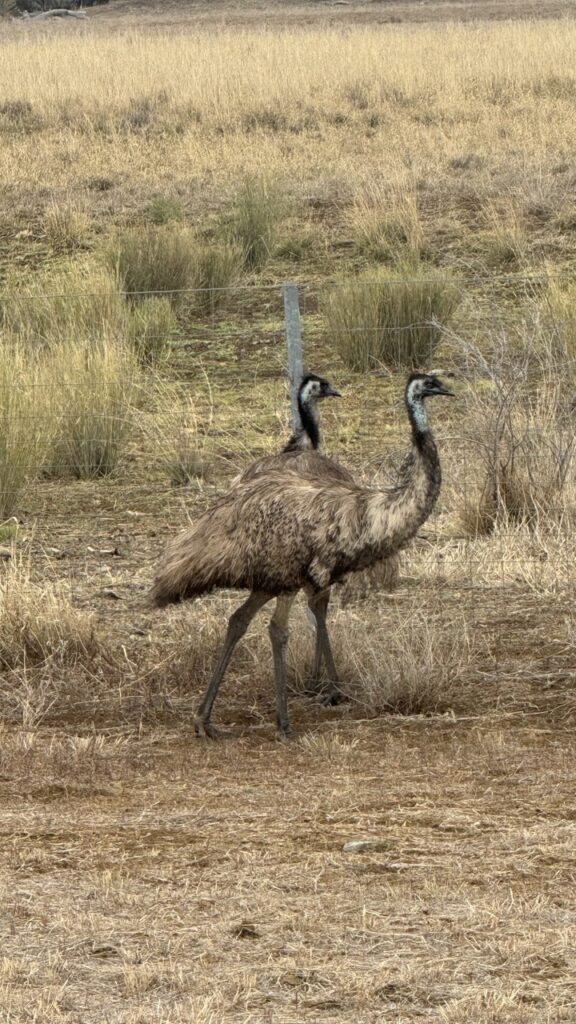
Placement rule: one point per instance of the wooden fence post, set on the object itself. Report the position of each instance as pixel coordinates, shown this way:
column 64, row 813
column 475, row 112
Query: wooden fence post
column 294, row 346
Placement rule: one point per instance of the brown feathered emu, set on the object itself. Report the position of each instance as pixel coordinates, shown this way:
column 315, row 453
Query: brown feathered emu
column 283, row 532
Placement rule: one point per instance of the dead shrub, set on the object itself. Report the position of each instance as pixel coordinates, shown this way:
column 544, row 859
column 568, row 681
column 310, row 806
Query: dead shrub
column 406, row 662
column 38, row 622
column 520, row 431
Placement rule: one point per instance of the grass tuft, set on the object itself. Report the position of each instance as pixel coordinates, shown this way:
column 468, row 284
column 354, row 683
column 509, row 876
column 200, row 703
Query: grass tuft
column 152, row 326
column 27, row 424
column 38, row 623
column 66, row 228
column 407, row 663
column 154, row 259
column 163, row 209
column 387, row 226
column 57, row 307
column 94, row 386
column 217, row 269
column 522, row 440
column 255, row 219
column 390, row 317
column 173, row 434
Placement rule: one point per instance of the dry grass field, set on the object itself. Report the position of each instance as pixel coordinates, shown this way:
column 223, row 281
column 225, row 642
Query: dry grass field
column 165, row 168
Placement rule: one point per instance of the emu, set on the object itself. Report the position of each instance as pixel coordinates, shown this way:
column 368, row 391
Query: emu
column 283, row 532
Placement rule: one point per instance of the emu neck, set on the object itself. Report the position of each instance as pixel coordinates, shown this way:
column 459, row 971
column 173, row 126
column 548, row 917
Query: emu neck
column 396, row 517
column 418, row 420
column 308, row 434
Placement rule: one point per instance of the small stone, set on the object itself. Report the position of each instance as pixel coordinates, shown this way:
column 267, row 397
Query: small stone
column 112, row 594
column 104, row 951
column 365, row 845
column 245, row 930
column 55, row 553
column 5, row 554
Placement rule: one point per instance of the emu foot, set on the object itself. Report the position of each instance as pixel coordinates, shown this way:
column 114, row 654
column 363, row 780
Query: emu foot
column 326, row 693
column 208, row 731
column 287, row 734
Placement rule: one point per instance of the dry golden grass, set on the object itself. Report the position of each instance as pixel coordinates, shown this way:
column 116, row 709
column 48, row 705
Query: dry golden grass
column 131, row 114
column 148, row 877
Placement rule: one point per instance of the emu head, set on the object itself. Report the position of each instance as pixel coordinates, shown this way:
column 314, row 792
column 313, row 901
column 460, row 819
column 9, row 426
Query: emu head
column 314, row 388
column 424, row 385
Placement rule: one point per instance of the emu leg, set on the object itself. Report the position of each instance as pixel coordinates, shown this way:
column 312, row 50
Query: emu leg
column 237, row 625
column 278, row 630
column 318, row 604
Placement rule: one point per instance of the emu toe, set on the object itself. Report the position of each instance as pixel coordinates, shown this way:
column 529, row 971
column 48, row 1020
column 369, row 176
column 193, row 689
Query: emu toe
column 326, row 693
column 205, row 730
column 286, row 735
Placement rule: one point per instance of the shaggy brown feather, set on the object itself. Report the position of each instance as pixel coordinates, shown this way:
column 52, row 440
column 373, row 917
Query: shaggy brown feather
column 301, row 455
column 283, row 531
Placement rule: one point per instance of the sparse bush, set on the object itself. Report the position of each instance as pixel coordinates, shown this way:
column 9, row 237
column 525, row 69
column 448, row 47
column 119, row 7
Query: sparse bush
column 391, row 317
column 154, row 259
column 151, row 328
column 27, row 424
column 174, row 436
column 163, row 209
column 61, row 306
column 94, row 384
column 217, row 268
column 66, row 228
column 38, row 623
column 255, row 219
column 387, row 226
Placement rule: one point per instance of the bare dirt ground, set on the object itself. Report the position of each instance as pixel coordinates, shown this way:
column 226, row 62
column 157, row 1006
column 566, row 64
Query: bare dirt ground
column 158, row 879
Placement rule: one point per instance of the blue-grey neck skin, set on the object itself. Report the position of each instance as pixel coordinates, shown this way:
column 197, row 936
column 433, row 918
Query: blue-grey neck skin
column 416, row 410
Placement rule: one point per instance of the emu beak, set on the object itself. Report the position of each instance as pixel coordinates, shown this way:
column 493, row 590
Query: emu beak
column 443, row 390
column 331, row 392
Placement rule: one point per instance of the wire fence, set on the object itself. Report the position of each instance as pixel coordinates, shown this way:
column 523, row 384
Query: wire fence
column 232, row 367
